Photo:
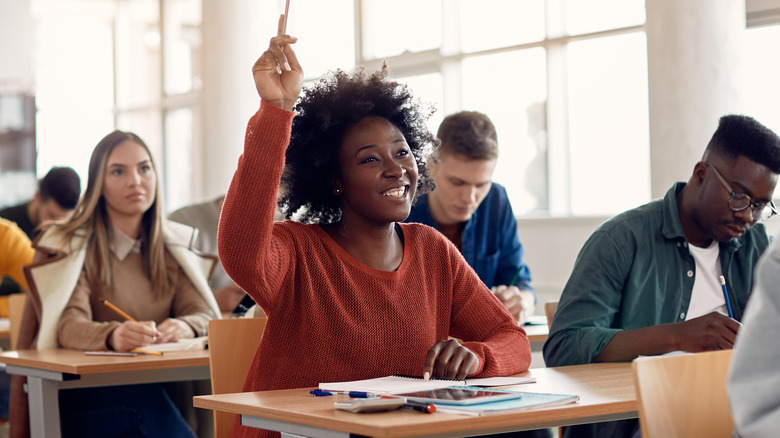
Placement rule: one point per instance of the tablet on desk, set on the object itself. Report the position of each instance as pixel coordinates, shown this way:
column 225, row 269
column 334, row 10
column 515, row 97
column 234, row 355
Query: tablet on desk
column 461, row 395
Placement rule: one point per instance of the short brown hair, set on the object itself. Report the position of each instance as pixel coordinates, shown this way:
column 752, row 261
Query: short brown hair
column 468, row 133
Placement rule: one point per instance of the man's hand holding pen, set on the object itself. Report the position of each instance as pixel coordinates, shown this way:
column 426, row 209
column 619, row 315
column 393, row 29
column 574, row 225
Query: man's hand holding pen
column 519, row 303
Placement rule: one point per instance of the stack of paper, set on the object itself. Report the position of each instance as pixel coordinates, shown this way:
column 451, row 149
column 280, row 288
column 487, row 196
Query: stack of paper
column 198, row 343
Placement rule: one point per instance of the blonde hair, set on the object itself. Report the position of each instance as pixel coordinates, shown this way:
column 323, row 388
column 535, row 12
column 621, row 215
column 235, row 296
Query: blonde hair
column 91, row 217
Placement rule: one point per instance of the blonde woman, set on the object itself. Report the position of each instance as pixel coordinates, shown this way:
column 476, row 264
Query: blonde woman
column 117, row 247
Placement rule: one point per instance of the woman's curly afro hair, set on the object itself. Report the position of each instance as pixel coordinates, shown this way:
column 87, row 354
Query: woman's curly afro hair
column 325, row 110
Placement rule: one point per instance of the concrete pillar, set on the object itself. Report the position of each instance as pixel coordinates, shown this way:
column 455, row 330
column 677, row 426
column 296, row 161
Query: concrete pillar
column 694, row 62
column 235, row 33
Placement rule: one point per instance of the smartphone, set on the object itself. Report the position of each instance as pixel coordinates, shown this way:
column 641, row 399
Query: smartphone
column 370, row 404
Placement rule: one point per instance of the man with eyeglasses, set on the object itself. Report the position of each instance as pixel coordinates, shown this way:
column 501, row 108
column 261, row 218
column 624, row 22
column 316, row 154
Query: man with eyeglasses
column 647, row 281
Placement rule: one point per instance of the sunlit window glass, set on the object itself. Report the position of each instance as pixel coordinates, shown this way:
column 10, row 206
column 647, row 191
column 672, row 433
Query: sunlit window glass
column 179, row 138
column 74, row 83
column 138, row 45
column 487, row 24
column 326, row 35
column 760, row 86
column 608, row 124
column 516, row 103
column 393, row 27
column 182, row 45
column 584, row 16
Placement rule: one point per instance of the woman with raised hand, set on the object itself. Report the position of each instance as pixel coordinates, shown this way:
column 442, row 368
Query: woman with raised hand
column 117, row 247
column 350, row 292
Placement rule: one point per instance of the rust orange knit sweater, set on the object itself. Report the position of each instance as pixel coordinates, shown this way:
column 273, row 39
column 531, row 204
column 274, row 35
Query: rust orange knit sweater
column 333, row 318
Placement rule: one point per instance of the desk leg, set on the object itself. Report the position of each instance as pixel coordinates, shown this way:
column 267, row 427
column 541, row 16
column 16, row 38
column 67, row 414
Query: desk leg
column 43, row 396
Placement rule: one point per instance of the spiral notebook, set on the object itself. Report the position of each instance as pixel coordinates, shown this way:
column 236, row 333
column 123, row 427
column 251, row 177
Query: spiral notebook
column 400, row 384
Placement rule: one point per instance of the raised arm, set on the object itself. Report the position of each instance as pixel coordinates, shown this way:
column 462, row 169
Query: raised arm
column 246, row 247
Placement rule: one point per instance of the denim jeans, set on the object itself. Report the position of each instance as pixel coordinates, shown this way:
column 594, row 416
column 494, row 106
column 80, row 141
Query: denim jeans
column 121, row 411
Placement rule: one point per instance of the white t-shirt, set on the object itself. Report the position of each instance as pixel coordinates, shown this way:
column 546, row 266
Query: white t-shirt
column 707, row 295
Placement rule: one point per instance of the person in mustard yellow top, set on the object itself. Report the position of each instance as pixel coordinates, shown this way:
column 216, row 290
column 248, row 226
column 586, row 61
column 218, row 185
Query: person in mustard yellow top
column 15, row 251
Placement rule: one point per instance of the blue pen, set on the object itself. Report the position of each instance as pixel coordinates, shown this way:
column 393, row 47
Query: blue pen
column 353, row 394
column 726, row 296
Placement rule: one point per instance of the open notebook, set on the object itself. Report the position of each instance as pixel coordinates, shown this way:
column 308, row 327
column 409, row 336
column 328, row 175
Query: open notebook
column 198, row 343
column 401, row 384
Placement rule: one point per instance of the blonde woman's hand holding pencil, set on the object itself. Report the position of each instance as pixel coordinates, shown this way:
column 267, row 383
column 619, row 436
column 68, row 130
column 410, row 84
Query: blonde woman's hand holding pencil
column 132, row 334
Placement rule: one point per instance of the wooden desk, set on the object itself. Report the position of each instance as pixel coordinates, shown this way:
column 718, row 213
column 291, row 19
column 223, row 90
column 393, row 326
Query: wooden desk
column 48, row 371
column 606, row 393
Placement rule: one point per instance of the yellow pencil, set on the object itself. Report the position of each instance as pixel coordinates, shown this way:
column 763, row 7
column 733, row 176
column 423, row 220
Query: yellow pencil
column 119, row 311
column 149, row 352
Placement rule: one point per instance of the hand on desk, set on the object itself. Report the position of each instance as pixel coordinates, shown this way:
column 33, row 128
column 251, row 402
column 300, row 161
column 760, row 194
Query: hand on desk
column 520, row 303
column 173, row 329
column 132, row 334
column 450, row 359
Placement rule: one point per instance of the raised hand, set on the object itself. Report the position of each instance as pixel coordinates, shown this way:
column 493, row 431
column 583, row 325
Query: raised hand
column 450, row 359
column 278, row 74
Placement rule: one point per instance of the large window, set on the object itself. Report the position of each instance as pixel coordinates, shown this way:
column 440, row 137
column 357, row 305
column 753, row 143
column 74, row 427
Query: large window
column 130, row 65
column 761, row 92
column 565, row 82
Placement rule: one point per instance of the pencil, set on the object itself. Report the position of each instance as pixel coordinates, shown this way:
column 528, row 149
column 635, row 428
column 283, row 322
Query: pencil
column 517, row 275
column 726, row 296
column 118, row 310
column 141, row 350
column 283, row 30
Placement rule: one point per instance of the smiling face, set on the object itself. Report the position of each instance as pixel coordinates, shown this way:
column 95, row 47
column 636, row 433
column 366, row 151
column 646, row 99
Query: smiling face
column 130, row 184
column 378, row 173
column 711, row 213
column 461, row 185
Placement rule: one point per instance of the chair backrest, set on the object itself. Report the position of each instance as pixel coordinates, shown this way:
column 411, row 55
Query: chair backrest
column 549, row 310
column 15, row 312
column 232, row 345
column 684, row 395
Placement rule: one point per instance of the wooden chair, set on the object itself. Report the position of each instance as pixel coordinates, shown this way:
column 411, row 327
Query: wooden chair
column 549, row 310
column 232, row 345
column 15, row 311
column 684, row 395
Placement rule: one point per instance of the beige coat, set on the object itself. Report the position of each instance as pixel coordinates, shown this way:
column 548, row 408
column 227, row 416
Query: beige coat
column 53, row 278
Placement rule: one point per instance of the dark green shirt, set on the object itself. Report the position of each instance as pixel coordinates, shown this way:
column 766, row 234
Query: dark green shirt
column 635, row 271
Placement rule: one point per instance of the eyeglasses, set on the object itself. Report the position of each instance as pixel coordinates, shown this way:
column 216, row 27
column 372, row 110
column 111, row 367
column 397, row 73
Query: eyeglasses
column 740, row 201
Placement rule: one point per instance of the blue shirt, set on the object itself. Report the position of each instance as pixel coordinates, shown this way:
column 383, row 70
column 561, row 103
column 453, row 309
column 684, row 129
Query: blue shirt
column 490, row 244
column 636, row 271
